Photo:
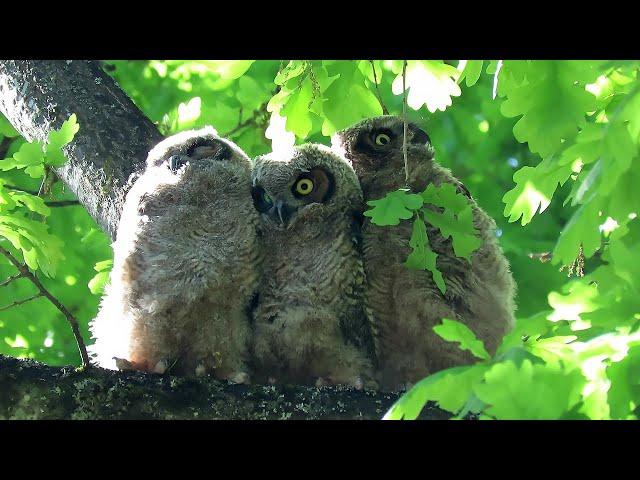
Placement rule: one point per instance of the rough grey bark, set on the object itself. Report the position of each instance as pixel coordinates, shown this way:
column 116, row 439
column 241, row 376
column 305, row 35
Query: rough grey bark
column 36, row 96
column 31, row 390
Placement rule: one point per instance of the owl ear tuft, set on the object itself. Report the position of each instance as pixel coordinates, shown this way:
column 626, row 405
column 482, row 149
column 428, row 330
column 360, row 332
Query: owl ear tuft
column 419, row 136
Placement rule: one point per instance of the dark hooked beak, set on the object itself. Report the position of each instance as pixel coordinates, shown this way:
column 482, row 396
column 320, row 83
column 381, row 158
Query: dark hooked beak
column 281, row 212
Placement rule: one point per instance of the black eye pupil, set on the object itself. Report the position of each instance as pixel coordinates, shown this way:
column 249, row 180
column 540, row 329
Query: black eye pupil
column 261, row 199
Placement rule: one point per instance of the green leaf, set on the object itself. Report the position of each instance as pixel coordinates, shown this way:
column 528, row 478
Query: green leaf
column 624, row 394
column 29, row 154
column 454, row 331
column 445, row 196
column 6, row 129
column 293, row 69
column 450, row 388
column 529, row 391
column 32, row 202
column 551, row 102
column 64, row 135
column 459, row 227
column 229, row 69
column 581, row 229
column 99, row 280
column 395, row 206
column 40, row 249
column 430, row 82
column 471, row 72
column 422, row 257
column 534, row 189
column 347, row 99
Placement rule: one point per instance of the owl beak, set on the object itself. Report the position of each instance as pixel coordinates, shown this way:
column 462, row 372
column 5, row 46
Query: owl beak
column 281, row 211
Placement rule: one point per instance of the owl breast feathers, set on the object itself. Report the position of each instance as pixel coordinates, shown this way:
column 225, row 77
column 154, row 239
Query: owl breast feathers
column 186, row 263
column 404, row 305
column 309, row 322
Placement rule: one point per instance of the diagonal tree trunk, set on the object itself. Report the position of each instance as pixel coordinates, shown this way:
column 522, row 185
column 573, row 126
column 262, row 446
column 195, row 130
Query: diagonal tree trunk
column 112, row 143
column 36, row 96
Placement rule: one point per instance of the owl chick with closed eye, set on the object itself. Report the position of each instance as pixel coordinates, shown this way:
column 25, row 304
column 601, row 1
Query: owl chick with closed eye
column 186, row 264
column 404, row 305
column 309, row 324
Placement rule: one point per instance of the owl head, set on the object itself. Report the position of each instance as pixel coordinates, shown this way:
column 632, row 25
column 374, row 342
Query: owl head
column 374, row 148
column 304, row 184
column 191, row 166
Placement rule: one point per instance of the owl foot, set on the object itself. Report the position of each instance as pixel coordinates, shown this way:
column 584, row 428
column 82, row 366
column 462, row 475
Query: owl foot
column 323, row 382
column 124, row 365
column 239, row 378
column 272, row 380
column 201, row 371
column 405, row 386
column 371, row 386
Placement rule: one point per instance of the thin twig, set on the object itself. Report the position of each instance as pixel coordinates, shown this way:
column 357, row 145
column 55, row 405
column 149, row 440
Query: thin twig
column 24, row 270
column 404, row 115
column 7, row 281
column 20, row 302
column 13, row 187
column 62, row 203
column 52, row 203
column 385, row 111
column 252, row 119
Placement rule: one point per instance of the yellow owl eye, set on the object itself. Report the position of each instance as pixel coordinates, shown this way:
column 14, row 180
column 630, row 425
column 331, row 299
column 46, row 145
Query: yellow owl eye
column 304, row 186
column 382, row 139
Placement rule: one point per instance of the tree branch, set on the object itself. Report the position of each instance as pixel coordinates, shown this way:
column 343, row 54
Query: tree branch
column 7, row 281
column 62, row 203
column 385, row 111
column 31, row 390
column 25, row 272
column 114, row 138
column 20, row 302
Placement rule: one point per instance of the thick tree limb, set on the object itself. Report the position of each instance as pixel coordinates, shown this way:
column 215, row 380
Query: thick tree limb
column 30, row 390
column 36, row 96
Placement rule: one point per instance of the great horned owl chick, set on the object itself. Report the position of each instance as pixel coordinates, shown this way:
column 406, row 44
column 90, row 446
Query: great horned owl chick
column 403, row 304
column 185, row 263
column 309, row 321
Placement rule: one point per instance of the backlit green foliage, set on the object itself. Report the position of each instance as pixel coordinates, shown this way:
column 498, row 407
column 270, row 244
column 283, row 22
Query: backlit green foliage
column 547, row 148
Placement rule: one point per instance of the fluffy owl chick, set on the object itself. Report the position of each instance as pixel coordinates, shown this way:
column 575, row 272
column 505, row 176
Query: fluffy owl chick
column 404, row 305
column 185, row 263
column 309, row 324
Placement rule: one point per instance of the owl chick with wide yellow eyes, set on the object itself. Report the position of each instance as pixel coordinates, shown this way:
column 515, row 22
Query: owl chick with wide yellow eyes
column 186, row 264
column 404, row 305
column 309, row 324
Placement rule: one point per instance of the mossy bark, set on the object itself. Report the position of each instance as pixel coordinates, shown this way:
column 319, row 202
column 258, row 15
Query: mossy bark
column 31, row 390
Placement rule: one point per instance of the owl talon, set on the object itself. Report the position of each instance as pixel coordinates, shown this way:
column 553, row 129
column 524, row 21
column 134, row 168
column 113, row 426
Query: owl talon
column 323, row 382
column 358, row 383
column 201, row 371
column 272, row 381
column 124, row 365
column 371, row 386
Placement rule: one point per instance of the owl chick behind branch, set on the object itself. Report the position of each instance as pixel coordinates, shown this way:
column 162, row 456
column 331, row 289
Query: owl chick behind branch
column 309, row 321
column 404, row 305
column 186, row 264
